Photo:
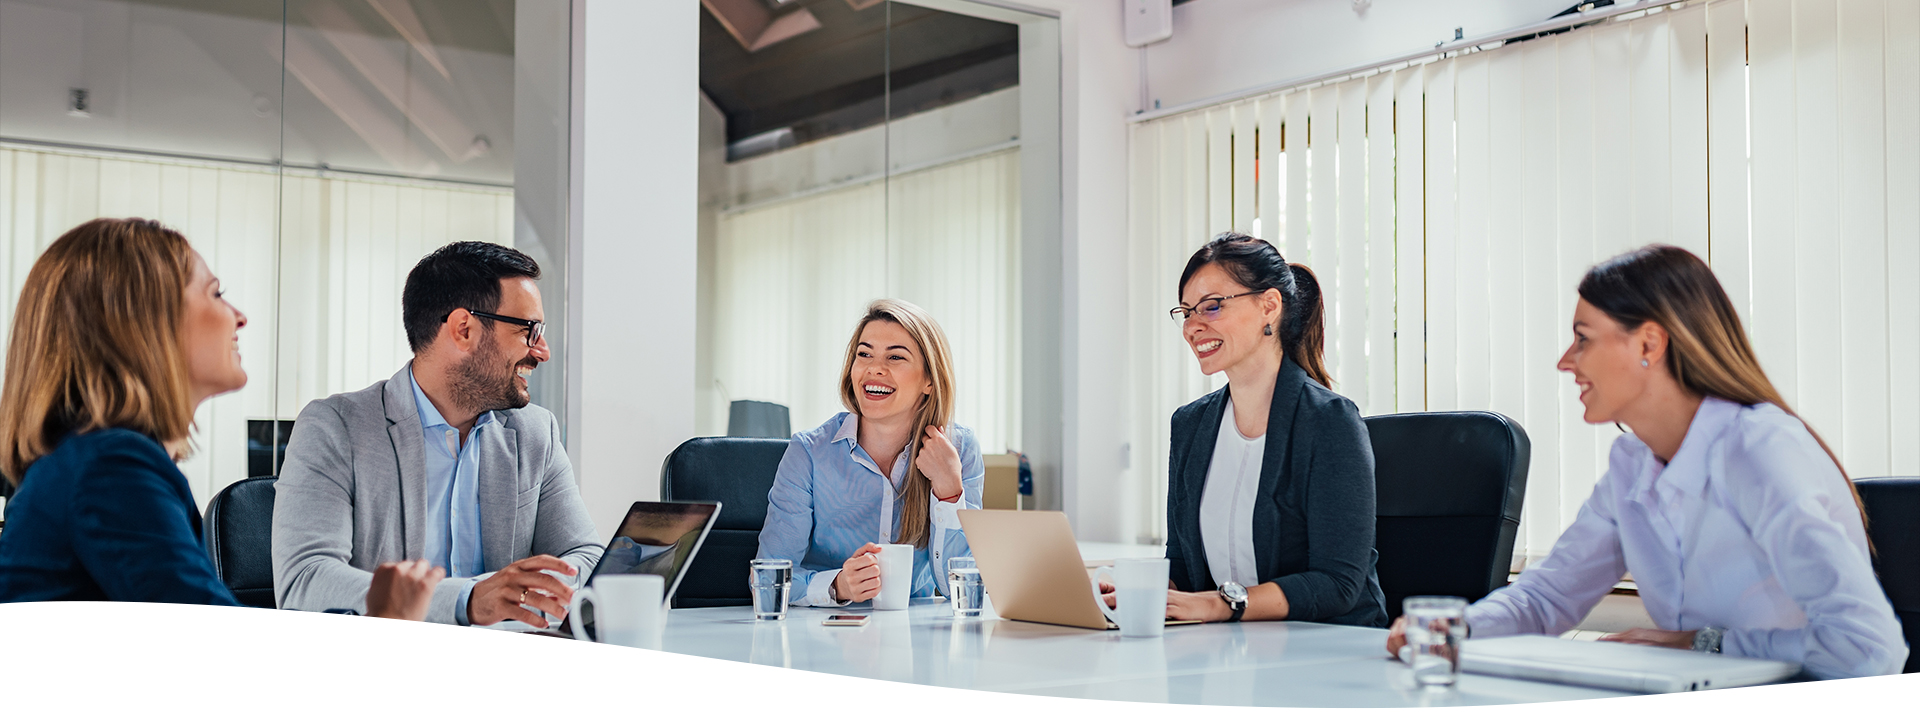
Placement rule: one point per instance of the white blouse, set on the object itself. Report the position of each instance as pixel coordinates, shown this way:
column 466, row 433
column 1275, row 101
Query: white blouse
column 1749, row 528
column 1226, row 504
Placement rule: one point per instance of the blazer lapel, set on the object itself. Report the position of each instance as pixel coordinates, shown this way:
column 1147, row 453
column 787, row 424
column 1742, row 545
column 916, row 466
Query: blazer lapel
column 1193, row 482
column 1273, row 457
column 403, row 428
column 499, row 488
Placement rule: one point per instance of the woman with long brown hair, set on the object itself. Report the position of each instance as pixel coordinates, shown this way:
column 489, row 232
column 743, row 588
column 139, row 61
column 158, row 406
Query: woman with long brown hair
column 894, row 468
column 1270, row 507
column 1736, row 520
column 120, row 333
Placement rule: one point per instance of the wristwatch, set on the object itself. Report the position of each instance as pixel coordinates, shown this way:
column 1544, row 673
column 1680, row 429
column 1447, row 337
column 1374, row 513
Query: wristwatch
column 1236, row 597
column 1707, row 640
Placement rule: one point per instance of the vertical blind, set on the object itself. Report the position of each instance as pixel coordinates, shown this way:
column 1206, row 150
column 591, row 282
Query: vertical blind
column 793, row 277
column 1449, row 208
column 333, row 261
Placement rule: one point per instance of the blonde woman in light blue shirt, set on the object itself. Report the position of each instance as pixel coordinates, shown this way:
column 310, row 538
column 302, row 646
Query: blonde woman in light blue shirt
column 1736, row 520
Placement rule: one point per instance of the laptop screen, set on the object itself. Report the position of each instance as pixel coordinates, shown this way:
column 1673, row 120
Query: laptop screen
column 657, row 538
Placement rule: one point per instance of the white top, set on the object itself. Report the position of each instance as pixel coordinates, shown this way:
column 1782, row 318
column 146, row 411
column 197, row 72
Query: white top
column 1226, row 503
column 1750, row 528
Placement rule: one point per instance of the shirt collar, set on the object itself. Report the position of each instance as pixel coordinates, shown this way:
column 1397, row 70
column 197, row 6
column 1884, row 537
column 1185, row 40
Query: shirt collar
column 429, row 415
column 850, row 432
column 1687, row 470
column 849, row 429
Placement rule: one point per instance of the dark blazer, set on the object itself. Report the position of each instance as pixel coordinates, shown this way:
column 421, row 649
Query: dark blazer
column 1314, row 513
column 106, row 516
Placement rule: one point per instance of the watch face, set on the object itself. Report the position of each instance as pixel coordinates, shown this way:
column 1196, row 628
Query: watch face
column 1234, row 592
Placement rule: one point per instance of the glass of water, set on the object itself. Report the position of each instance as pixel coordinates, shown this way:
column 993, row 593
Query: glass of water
column 1435, row 627
column 771, row 580
column 964, row 589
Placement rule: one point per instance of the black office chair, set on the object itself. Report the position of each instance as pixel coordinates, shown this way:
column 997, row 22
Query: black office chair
column 737, row 472
column 1893, row 522
column 239, row 528
column 1448, row 493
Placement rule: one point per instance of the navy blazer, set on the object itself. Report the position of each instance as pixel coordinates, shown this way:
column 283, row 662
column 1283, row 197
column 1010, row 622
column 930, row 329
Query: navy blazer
column 106, row 516
column 1313, row 513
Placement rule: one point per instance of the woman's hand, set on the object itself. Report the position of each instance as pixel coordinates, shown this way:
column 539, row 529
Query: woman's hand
column 859, row 578
column 1682, row 640
column 403, row 590
column 1202, row 606
column 940, row 463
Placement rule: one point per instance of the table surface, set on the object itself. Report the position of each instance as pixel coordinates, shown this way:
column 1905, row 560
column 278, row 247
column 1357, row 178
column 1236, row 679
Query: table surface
column 1241, row 664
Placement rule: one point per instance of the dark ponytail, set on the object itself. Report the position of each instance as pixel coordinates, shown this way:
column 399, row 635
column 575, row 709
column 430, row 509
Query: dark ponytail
column 1256, row 264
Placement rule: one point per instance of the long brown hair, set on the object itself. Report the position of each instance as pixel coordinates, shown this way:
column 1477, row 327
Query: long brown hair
column 1257, row 265
column 936, row 409
column 1707, row 349
column 96, row 341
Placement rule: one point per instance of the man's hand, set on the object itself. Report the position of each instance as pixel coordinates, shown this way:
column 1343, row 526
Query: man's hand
column 859, row 578
column 403, row 590
column 523, row 583
column 1682, row 640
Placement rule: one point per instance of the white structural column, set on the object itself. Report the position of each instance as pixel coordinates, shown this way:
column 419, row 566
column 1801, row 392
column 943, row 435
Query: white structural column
column 631, row 256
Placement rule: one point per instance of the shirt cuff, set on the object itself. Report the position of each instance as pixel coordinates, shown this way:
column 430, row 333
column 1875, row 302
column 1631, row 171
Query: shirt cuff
column 947, row 513
column 819, row 589
column 460, row 603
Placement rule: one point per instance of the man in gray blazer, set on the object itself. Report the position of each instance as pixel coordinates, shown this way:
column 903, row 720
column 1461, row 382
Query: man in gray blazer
column 445, row 461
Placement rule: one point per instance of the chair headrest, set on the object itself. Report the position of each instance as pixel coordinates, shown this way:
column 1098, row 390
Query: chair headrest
column 737, row 472
column 1453, row 463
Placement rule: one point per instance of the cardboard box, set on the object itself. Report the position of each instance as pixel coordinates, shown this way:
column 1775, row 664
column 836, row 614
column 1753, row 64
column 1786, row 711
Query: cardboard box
column 1003, row 482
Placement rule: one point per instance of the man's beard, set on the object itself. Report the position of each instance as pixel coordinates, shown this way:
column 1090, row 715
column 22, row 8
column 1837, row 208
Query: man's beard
column 486, row 383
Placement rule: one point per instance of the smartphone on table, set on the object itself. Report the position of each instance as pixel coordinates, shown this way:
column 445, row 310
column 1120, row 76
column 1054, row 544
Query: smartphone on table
column 845, row 619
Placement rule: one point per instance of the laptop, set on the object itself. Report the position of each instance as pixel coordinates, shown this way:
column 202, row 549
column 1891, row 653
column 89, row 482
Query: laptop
column 1033, row 570
column 1617, row 666
column 655, row 538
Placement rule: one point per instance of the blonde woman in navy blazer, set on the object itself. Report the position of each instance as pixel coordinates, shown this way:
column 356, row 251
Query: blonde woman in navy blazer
column 120, row 333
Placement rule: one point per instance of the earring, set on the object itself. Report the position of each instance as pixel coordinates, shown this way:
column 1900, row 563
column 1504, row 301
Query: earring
column 1266, row 329
column 1643, row 362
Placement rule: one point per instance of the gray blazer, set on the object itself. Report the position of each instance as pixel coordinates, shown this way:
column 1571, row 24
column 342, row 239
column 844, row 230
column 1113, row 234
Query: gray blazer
column 352, row 495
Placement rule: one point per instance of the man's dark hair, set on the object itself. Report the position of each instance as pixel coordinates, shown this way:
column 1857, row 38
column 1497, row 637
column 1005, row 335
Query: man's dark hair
column 465, row 274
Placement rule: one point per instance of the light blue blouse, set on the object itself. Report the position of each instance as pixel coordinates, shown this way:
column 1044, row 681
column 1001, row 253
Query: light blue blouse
column 1749, row 528
column 829, row 498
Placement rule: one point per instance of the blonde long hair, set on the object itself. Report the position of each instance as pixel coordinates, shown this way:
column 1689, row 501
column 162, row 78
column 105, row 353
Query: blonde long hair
column 96, row 341
column 936, row 409
column 1707, row 348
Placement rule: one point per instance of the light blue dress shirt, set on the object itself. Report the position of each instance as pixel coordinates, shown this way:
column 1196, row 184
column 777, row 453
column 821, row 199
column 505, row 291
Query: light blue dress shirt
column 453, row 495
column 1749, row 528
column 829, row 498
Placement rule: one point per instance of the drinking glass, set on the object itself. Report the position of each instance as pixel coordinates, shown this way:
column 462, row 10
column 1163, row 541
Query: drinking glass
column 771, row 579
column 964, row 589
column 1435, row 627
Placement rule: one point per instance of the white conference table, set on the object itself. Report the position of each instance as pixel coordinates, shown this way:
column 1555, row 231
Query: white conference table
column 1243, row 664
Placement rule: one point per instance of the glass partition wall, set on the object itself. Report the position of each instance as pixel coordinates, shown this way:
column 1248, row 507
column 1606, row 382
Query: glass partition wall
column 312, row 151
column 861, row 149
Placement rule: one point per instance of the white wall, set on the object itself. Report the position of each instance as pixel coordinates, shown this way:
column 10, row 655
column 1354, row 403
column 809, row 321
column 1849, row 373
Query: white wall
column 633, row 258
column 1221, row 46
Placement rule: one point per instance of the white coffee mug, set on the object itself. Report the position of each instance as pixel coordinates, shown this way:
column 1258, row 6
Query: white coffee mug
column 1140, row 591
column 896, row 577
column 627, row 610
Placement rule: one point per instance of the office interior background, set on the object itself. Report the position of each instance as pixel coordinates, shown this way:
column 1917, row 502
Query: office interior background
column 716, row 190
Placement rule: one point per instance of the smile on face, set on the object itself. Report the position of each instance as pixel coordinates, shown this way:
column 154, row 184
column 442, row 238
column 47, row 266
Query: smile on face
column 210, row 335
column 1604, row 359
column 1222, row 339
column 888, row 375
column 520, row 298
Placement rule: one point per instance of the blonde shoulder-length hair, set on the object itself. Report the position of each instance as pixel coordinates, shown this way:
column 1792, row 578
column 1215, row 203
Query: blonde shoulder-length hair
column 96, row 341
column 936, row 409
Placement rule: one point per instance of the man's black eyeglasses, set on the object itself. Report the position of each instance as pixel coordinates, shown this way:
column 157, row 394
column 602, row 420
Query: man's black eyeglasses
column 535, row 329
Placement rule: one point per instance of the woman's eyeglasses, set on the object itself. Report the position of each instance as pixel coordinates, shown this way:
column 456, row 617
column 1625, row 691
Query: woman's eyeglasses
column 1207, row 308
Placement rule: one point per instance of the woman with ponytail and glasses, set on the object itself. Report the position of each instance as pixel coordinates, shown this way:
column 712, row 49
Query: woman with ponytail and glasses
column 120, row 333
column 1736, row 520
column 894, row 468
column 1270, row 506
